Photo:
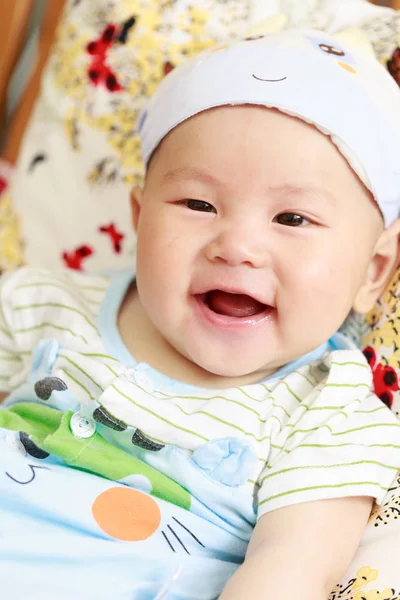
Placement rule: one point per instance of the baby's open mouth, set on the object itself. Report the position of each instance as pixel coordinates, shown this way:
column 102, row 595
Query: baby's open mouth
column 233, row 305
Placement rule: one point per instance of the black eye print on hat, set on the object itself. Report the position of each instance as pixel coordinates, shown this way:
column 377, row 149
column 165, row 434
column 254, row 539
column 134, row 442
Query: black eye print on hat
column 332, row 50
column 326, row 47
column 252, row 38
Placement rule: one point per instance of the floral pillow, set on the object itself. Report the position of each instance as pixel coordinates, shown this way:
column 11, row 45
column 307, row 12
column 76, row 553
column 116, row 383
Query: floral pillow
column 81, row 154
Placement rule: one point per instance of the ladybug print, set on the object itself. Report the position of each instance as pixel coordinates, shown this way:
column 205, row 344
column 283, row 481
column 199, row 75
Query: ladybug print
column 385, row 377
column 99, row 72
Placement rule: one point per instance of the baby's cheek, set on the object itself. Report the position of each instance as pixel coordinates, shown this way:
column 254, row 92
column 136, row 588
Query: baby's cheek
column 326, row 290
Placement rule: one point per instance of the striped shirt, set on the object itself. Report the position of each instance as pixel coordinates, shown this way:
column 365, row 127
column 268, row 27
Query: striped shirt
column 316, row 433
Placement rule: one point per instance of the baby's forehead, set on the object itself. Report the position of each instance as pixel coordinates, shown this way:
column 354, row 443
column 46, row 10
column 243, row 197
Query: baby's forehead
column 347, row 96
column 259, row 146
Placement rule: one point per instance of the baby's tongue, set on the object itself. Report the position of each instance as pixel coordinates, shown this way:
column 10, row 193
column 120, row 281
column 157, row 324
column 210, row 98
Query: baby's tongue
column 233, row 305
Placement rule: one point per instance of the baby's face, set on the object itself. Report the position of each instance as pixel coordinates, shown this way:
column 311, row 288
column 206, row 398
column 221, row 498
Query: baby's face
column 254, row 237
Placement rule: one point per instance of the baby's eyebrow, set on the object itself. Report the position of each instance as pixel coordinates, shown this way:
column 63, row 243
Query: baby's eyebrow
column 190, row 174
column 288, row 189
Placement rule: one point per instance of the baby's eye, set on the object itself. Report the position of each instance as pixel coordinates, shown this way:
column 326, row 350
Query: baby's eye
column 291, row 220
column 199, row 205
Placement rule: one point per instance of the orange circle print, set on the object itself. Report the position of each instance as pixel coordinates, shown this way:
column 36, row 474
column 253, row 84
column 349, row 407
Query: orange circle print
column 126, row 514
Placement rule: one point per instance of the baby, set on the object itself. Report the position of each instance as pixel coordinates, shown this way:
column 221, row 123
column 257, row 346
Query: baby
column 194, row 428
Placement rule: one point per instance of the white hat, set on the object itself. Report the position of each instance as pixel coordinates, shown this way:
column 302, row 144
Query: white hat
column 347, row 95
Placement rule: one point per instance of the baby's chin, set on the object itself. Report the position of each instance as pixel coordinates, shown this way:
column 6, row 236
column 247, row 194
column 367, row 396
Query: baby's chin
column 230, row 374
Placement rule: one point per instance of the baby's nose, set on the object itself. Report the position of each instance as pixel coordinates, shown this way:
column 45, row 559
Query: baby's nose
column 239, row 246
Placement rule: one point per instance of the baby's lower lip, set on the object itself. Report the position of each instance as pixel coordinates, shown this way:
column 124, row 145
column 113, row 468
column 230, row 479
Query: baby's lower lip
column 228, row 322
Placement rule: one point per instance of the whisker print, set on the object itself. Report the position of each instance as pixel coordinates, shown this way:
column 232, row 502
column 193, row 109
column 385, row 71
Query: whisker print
column 180, row 541
column 188, row 530
column 168, row 542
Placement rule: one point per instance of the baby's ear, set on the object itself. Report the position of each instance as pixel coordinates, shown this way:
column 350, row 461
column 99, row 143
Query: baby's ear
column 384, row 261
column 136, row 204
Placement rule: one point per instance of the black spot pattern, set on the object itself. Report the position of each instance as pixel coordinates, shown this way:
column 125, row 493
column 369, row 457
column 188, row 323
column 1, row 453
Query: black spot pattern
column 45, row 387
column 139, row 439
column 101, row 415
column 123, row 36
column 36, row 159
column 31, row 447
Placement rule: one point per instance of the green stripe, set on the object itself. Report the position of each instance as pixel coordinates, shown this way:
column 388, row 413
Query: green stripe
column 251, row 397
column 344, row 445
column 347, row 385
column 54, row 326
column 82, row 371
column 261, row 459
column 291, row 391
column 144, row 408
column 266, row 388
column 6, row 332
column 214, row 418
column 111, row 370
column 277, row 448
column 55, row 305
column 64, row 286
column 383, row 407
column 322, row 487
column 165, row 394
column 347, row 431
column 307, row 467
column 3, row 316
column 230, row 400
column 273, row 399
column 98, row 355
column 312, row 408
column 10, row 358
column 310, row 368
column 313, row 383
column 79, row 383
column 356, row 364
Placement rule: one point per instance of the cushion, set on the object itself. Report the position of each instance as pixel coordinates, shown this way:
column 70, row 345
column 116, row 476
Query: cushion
column 81, row 154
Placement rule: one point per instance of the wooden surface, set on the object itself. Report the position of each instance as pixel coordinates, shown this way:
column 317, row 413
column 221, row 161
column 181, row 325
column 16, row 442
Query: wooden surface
column 21, row 115
column 14, row 19
column 392, row 3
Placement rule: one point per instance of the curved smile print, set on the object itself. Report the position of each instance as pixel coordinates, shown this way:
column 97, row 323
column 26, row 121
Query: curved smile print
column 269, row 80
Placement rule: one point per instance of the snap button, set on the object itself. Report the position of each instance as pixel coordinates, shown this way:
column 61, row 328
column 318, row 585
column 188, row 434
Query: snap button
column 14, row 441
column 82, row 426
